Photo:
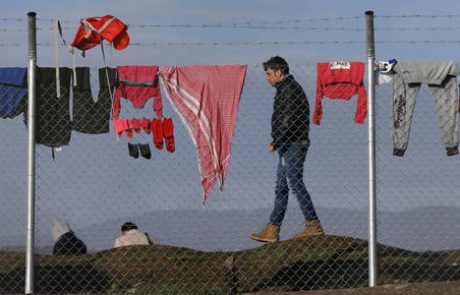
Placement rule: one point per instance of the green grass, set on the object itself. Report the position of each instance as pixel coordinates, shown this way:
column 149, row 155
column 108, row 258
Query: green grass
column 311, row 263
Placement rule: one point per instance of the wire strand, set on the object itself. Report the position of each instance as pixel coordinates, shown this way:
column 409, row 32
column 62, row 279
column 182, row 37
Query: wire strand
column 419, row 16
column 343, row 29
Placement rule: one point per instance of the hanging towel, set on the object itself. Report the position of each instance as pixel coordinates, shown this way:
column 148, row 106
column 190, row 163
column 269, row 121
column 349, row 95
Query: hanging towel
column 89, row 116
column 13, row 91
column 340, row 80
column 138, row 84
column 53, row 126
column 207, row 98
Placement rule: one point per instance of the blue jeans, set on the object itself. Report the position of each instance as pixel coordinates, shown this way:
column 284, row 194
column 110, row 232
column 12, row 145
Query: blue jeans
column 290, row 176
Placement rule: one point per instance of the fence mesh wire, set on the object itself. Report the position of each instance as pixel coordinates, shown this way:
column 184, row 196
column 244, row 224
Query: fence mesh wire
column 95, row 186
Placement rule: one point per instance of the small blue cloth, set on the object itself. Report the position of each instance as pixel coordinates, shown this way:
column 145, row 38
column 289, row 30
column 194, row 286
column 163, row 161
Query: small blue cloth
column 13, row 90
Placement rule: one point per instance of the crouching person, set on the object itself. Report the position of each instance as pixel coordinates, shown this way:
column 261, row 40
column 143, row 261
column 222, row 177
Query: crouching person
column 131, row 235
column 66, row 242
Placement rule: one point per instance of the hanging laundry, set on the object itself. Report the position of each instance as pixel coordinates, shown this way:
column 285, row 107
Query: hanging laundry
column 130, row 125
column 123, row 125
column 135, row 148
column 93, row 29
column 207, row 98
column 13, row 91
column 141, row 124
column 138, row 84
column 157, row 133
column 146, row 125
column 168, row 133
column 441, row 77
column 89, row 116
column 53, row 126
column 384, row 70
column 340, row 80
column 144, row 148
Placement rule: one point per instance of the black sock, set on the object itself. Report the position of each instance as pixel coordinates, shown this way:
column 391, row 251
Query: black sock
column 133, row 150
column 145, row 150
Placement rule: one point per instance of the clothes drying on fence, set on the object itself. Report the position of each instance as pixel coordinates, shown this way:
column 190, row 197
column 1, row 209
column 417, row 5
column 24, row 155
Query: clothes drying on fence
column 123, row 125
column 384, row 78
column 130, row 125
column 141, row 124
column 53, row 126
column 384, row 71
column 207, row 98
column 157, row 133
column 89, row 116
column 13, row 91
column 93, row 30
column 442, row 82
column 162, row 130
column 340, row 80
column 168, row 134
column 135, row 148
column 138, row 84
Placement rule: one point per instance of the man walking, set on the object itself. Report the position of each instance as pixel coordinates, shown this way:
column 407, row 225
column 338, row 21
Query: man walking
column 290, row 128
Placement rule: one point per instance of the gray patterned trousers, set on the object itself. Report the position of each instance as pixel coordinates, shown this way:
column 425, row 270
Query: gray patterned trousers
column 446, row 101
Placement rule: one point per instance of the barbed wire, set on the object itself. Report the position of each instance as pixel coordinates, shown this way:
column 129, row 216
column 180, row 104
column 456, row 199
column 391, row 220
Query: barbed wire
column 19, row 30
column 260, row 43
column 263, row 22
column 343, row 29
column 419, row 16
column 295, row 20
column 12, row 19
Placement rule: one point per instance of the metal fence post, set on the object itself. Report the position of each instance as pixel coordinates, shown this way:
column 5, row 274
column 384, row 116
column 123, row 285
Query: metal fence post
column 29, row 282
column 371, row 137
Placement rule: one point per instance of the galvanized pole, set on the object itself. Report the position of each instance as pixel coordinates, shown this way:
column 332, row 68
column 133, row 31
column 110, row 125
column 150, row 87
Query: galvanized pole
column 29, row 287
column 373, row 275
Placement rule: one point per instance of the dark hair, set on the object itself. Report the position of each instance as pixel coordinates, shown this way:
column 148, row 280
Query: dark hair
column 277, row 63
column 128, row 226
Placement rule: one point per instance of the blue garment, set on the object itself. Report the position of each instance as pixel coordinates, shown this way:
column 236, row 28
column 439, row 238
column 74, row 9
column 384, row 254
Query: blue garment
column 290, row 176
column 13, row 90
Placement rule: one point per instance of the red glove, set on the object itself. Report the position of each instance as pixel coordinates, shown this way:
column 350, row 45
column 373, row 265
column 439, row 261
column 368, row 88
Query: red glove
column 157, row 133
column 146, row 125
column 168, row 131
column 136, row 123
column 123, row 125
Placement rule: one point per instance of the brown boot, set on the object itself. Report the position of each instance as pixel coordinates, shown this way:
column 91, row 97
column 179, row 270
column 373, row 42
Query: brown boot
column 270, row 234
column 312, row 228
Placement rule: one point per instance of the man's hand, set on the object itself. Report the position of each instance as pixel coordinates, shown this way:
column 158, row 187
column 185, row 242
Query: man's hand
column 271, row 149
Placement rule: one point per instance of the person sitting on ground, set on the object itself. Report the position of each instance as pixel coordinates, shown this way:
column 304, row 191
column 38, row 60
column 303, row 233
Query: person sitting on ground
column 131, row 235
column 66, row 242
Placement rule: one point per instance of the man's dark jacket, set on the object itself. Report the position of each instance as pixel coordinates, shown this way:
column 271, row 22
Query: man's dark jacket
column 291, row 114
column 69, row 245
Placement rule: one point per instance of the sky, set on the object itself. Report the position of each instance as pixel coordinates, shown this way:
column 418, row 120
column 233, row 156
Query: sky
column 280, row 14
column 93, row 180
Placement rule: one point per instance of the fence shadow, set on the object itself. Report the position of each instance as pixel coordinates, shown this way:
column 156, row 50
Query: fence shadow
column 328, row 274
column 58, row 279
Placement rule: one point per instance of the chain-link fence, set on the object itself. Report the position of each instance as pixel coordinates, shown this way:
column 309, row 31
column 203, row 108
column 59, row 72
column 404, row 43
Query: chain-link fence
column 96, row 193
column 93, row 186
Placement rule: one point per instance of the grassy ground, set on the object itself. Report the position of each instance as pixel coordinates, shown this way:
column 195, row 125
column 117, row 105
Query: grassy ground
column 308, row 264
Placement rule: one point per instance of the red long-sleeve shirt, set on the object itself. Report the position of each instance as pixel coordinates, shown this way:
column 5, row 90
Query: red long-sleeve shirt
column 341, row 80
